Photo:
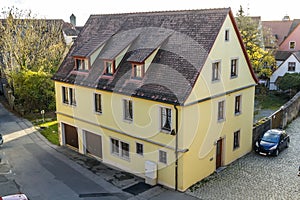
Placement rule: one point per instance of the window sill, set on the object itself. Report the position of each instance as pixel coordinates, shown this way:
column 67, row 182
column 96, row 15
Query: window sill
column 166, row 131
column 129, row 121
column 97, row 113
column 67, row 104
column 118, row 156
column 221, row 120
column 237, row 113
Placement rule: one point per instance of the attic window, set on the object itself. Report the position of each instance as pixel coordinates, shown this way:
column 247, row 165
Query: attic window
column 81, row 64
column 292, row 45
column 109, row 68
column 227, row 35
column 138, row 71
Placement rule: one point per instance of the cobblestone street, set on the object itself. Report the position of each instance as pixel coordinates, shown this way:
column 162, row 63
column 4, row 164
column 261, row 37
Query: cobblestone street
column 257, row 177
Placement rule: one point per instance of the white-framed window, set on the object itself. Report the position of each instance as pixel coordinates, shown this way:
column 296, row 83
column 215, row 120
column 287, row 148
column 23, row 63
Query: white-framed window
column 65, row 95
column 291, row 66
column 292, row 45
column 81, row 64
column 138, row 71
column 98, row 103
column 237, row 104
column 236, row 139
column 166, row 119
column 227, row 35
column 216, row 67
column 221, row 110
column 162, row 156
column 128, row 110
column 119, row 148
column 139, row 149
column 68, row 96
column 109, row 67
column 234, row 68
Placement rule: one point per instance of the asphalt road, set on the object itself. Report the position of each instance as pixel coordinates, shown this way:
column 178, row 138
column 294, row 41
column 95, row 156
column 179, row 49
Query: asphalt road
column 43, row 171
column 30, row 166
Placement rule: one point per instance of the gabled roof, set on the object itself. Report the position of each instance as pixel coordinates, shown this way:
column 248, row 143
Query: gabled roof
column 282, row 55
column 279, row 29
column 183, row 40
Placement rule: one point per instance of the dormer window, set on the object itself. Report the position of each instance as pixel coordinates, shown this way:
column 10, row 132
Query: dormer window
column 138, row 71
column 292, row 45
column 81, row 64
column 109, row 68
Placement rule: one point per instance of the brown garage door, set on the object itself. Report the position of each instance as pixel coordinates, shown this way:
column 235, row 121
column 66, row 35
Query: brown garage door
column 71, row 136
column 93, row 144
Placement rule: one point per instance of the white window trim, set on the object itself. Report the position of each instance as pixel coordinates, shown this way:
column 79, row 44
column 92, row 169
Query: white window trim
column 228, row 31
column 219, row 71
column 124, row 110
column 119, row 155
column 136, row 149
column 159, row 160
column 160, row 117
column 294, row 45
column 69, row 103
column 237, row 67
column 224, row 111
column 236, row 148
column 241, row 101
column 94, row 96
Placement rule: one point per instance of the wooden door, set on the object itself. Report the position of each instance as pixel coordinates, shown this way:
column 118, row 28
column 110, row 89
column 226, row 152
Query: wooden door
column 71, row 136
column 219, row 153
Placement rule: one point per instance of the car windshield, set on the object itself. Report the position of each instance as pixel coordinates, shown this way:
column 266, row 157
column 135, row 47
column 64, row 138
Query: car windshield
column 270, row 137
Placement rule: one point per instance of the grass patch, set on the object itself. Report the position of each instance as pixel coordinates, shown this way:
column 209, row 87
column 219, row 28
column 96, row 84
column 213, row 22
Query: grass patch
column 272, row 100
column 50, row 131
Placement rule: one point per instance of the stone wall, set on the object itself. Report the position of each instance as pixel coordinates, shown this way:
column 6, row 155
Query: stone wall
column 279, row 119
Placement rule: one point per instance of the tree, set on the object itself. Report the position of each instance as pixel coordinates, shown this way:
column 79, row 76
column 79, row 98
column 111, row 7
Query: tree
column 29, row 46
column 262, row 61
column 290, row 81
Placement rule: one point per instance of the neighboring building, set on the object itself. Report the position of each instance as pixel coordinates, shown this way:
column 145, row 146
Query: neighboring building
column 292, row 41
column 290, row 64
column 279, row 29
column 285, row 32
column 70, row 30
column 168, row 96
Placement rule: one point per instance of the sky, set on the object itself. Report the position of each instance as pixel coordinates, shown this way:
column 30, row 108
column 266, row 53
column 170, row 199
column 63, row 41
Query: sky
column 62, row 9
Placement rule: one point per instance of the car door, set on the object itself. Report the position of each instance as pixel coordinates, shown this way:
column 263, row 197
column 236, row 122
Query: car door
column 281, row 142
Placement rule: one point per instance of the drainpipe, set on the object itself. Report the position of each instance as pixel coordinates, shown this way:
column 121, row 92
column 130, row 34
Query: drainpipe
column 176, row 149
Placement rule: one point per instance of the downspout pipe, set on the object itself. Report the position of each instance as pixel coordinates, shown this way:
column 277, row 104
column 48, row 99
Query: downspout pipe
column 176, row 148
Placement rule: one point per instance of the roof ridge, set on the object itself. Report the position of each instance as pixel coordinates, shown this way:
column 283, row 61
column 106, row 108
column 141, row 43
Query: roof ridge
column 161, row 11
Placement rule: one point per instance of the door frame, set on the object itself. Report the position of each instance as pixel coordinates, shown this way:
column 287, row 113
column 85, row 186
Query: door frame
column 219, row 152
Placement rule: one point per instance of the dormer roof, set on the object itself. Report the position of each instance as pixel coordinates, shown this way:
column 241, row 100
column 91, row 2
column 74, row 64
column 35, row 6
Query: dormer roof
column 183, row 40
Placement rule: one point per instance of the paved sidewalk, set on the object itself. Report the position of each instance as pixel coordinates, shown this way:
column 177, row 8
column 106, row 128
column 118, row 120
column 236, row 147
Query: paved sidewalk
column 257, row 177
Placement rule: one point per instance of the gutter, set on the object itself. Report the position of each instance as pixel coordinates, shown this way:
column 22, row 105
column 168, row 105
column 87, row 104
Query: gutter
column 176, row 149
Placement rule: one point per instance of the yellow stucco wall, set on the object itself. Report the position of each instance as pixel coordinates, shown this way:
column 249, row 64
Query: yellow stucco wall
column 199, row 128
column 144, row 129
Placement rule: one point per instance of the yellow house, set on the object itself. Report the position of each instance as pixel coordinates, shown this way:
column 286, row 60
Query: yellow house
column 167, row 96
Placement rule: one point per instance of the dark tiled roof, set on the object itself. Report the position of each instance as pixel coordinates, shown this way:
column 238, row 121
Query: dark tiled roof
column 282, row 55
column 297, row 55
column 184, row 40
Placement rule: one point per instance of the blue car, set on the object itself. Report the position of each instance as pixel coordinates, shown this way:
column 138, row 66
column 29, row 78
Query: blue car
column 272, row 142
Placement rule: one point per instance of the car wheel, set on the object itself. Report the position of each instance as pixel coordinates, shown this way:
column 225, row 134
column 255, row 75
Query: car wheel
column 276, row 152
